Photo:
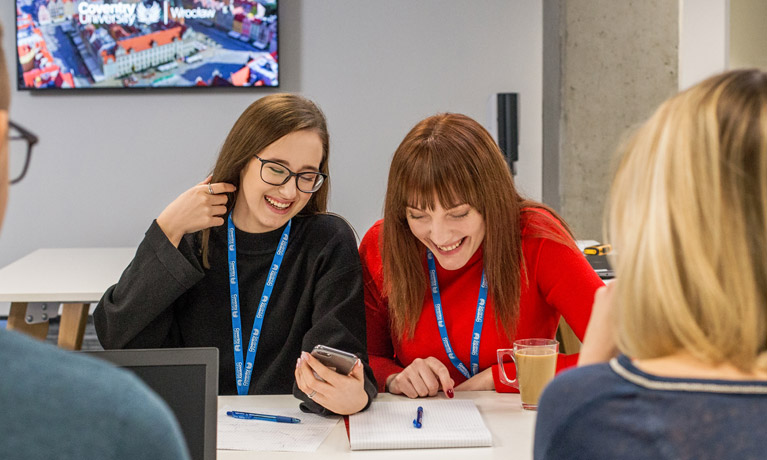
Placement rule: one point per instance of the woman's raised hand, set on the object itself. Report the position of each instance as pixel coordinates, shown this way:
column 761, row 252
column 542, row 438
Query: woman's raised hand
column 200, row 207
column 423, row 377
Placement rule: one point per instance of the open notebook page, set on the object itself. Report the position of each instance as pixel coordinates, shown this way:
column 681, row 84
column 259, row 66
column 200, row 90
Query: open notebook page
column 389, row 425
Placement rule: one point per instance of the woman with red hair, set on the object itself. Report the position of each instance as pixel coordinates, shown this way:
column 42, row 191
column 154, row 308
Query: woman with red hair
column 453, row 221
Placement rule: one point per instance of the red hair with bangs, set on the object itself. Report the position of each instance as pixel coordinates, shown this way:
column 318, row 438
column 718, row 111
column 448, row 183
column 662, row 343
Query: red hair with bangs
column 451, row 159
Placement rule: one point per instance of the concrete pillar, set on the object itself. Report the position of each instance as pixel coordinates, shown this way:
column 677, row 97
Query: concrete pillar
column 607, row 66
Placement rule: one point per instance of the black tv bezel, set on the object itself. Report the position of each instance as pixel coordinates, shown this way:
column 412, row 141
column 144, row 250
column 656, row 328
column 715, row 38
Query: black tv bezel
column 139, row 89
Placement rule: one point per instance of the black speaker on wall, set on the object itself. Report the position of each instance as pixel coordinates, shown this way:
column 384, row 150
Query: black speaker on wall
column 507, row 106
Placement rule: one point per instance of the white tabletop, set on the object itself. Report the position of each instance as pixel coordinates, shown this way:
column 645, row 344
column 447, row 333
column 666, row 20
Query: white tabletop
column 63, row 275
column 512, row 430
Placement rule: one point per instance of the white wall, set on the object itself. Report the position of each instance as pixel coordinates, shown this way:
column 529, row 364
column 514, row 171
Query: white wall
column 108, row 163
column 703, row 39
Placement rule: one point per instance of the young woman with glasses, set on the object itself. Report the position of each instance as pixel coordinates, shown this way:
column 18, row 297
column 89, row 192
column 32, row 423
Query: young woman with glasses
column 249, row 261
column 462, row 264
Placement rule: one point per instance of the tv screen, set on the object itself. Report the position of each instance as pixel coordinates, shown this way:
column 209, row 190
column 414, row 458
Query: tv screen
column 92, row 44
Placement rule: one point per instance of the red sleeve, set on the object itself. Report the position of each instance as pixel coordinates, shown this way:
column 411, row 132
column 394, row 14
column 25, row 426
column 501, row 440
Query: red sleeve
column 565, row 281
column 380, row 346
column 568, row 283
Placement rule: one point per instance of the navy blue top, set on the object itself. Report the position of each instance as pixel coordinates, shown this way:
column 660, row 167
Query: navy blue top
column 61, row 405
column 614, row 410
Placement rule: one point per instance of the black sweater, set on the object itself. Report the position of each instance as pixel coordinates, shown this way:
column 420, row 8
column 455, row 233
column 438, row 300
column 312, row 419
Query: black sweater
column 166, row 299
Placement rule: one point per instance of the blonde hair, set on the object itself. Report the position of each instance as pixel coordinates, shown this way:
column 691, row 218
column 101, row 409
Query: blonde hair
column 452, row 159
column 688, row 220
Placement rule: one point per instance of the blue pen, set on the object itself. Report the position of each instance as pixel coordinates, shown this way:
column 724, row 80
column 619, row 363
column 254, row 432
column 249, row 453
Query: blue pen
column 268, row 418
column 418, row 422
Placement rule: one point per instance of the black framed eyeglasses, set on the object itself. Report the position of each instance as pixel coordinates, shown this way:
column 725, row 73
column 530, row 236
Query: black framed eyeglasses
column 20, row 151
column 274, row 173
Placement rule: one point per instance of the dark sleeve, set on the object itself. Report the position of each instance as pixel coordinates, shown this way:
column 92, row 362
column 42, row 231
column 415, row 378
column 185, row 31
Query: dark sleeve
column 137, row 312
column 338, row 319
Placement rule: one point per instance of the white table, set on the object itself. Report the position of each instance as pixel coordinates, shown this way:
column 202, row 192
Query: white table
column 37, row 283
column 512, row 430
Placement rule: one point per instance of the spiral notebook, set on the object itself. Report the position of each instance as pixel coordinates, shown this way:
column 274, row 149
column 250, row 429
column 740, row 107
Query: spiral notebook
column 389, row 425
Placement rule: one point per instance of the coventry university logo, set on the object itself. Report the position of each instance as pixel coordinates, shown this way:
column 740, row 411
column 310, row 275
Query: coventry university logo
column 149, row 15
column 130, row 13
column 272, row 275
column 480, row 313
column 232, row 272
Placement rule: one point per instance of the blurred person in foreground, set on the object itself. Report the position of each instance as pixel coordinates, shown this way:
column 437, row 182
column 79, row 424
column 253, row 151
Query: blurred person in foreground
column 687, row 316
column 57, row 404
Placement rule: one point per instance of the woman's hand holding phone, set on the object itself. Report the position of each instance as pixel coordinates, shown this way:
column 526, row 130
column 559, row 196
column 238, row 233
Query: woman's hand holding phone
column 342, row 394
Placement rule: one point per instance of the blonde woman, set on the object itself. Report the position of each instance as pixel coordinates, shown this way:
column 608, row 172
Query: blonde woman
column 688, row 314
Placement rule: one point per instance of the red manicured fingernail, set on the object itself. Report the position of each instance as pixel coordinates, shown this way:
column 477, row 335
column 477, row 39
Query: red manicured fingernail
column 450, row 393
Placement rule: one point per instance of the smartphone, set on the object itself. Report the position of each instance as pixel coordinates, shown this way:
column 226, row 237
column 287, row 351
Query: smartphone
column 340, row 361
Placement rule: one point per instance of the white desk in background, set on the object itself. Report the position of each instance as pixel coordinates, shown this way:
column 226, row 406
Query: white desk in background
column 76, row 277
column 512, row 430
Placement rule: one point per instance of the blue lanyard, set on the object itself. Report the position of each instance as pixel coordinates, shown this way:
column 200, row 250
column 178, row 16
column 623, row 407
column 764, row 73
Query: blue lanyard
column 243, row 382
column 478, row 319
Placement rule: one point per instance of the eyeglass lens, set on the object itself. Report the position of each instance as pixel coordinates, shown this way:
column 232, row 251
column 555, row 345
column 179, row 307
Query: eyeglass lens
column 276, row 174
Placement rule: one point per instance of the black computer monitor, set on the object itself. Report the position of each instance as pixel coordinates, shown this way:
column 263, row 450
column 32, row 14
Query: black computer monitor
column 187, row 379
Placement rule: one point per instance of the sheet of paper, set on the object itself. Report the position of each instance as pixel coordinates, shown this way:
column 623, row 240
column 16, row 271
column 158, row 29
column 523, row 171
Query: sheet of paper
column 261, row 435
column 389, row 425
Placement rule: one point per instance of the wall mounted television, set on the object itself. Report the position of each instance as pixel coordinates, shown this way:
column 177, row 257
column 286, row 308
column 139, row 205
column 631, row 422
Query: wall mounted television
column 68, row 45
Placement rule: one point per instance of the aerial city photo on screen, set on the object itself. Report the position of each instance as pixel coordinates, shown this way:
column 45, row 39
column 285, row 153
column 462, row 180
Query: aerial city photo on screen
column 79, row 44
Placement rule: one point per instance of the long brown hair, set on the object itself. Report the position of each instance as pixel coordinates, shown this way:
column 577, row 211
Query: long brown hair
column 452, row 159
column 262, row 123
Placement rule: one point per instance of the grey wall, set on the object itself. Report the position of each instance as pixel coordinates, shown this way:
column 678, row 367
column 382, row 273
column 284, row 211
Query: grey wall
column 107, row 164
column 618, row 62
